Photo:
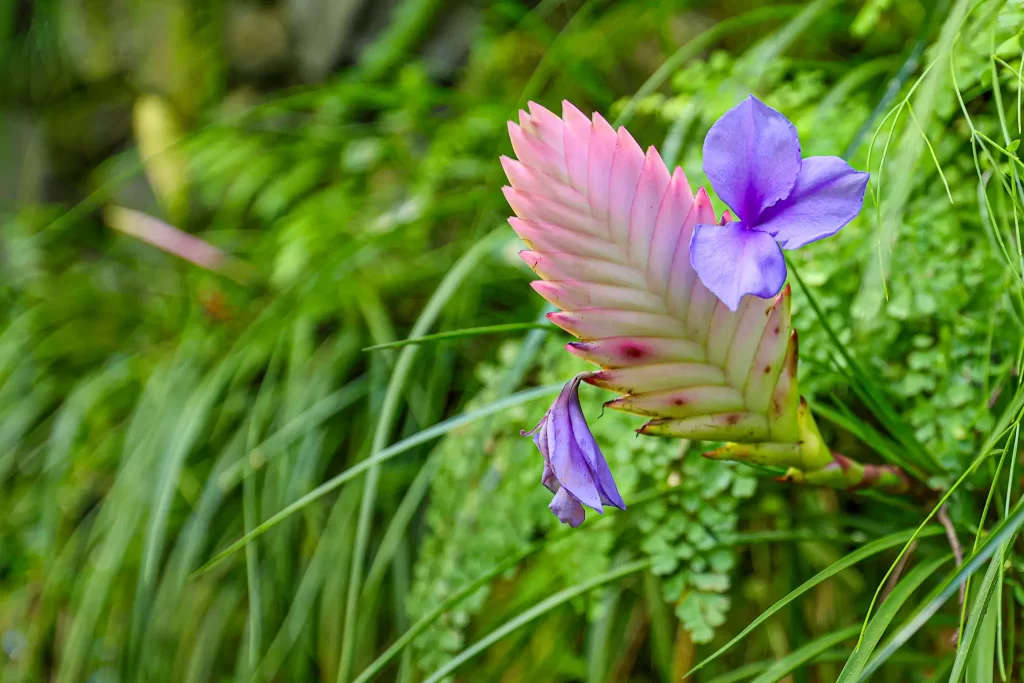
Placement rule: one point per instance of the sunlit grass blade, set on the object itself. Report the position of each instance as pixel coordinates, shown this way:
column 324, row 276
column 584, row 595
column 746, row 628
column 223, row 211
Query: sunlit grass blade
column 187, row 431
column 390, row 452
column 385, row 424
column 430, row 617
column 213, row 631
column 981, row 604
column 862, row 553
column 301, row 424
column 467, row 332
column 938, row 597
column 1012, row 414
column 797, row 658
column 400, row 521
column 305, row 599
column 538, row 610
column 498, row 569
column 886, row 613
column 758, row 59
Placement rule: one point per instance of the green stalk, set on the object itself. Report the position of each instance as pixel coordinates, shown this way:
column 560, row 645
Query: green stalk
column 388, row 416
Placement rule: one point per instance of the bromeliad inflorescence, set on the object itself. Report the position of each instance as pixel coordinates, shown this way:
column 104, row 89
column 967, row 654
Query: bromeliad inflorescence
column 668, row 300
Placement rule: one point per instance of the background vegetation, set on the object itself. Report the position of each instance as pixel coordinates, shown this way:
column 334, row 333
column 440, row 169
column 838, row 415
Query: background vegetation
column 344, row 154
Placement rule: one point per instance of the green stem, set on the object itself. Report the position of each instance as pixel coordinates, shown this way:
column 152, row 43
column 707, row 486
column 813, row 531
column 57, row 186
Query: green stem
column 810, row 461
column 386, row 422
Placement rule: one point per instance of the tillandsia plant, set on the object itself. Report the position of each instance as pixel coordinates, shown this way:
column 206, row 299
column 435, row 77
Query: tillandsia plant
column 682, row 311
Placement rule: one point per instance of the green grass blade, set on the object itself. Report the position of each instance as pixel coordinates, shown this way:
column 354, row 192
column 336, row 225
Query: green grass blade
column 402, row 446
column 979, row 609
column 868, row 550
column 948, row 588
column 467, row 332
column 538, row 610
column 696, row 46
column 305, row 599
column 430, row 617
column 758, row 59
column 319, row 412
column 802, row 655
column 867, row 389
column 400, row 521
column 187, row 431
column 434, row 614
column 886, row 613
column 385, row 424
column 254, row 642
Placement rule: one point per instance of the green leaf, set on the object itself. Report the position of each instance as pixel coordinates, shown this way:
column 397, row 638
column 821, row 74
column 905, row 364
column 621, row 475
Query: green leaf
column 701, row 613
column 884, row 616
column 804, row 654
column 696, row 46
column 938, row 597
column 467, row 332
column 868, row 390
column 433, row 615
column 979, row 609
column 538, row 610
column 389, row 412
column 853, row 558
column 391, row 451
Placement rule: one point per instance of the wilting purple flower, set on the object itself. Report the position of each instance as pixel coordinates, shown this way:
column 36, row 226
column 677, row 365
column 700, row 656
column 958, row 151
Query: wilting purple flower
column 752, row 158
column 574, row 469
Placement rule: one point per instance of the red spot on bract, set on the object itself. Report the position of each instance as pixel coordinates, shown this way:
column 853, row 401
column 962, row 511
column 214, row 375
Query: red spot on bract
column 767, row 369
column 679, row 401
column 631, row 351
column 776, row 329
column 732, row 419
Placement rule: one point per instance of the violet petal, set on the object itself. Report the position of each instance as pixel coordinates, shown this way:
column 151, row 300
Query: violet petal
column 752, row 158
column 733, row 261
column 588, row 446
column 828, row 194
column 567, row 508
column 567, row 461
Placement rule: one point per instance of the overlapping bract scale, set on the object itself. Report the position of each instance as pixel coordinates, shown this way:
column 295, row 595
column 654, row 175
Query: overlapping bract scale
column 608, row 229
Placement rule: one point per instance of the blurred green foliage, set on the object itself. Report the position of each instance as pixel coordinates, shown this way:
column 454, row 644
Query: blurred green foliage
column 345, row 155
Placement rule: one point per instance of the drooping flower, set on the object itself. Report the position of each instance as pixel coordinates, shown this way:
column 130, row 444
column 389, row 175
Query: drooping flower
column 574, row 468
column 752, row 158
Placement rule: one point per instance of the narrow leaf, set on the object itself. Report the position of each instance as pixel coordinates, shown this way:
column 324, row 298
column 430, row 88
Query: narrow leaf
column 938, row 597
column 876, row 628
column 390, row 452
column 868, row 550
column 456, row 334
column 802, row 655
column 538, row 610
column 979, row 609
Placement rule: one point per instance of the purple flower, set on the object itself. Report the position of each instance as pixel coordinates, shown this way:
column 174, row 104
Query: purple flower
column 574, row 469
column 752, row 158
